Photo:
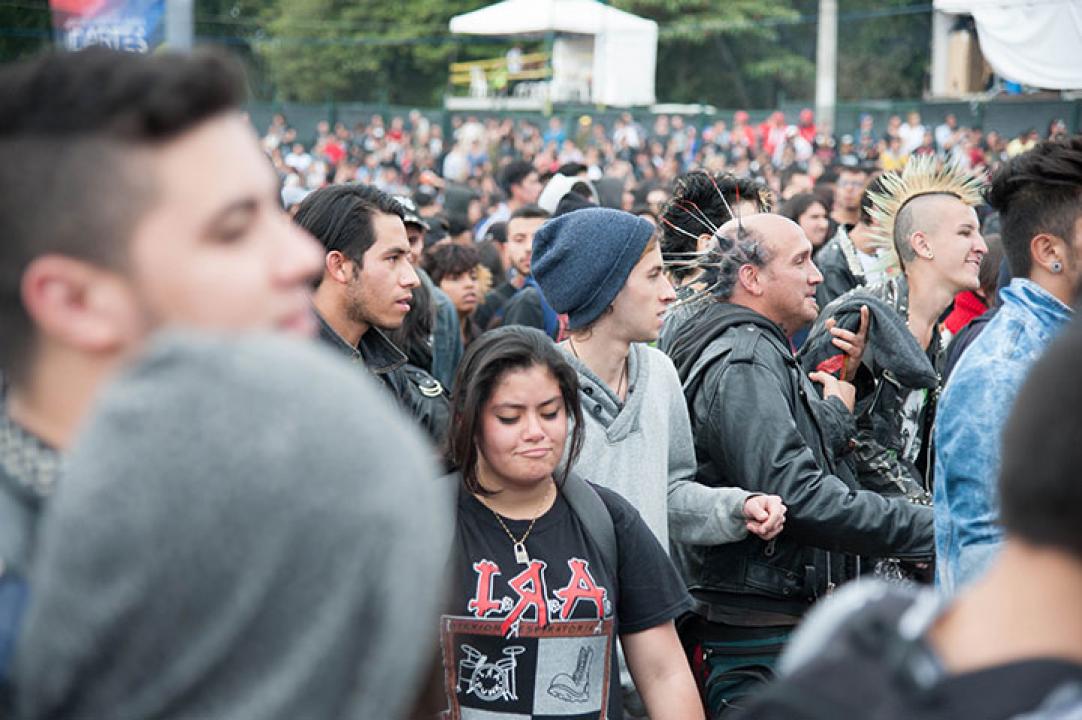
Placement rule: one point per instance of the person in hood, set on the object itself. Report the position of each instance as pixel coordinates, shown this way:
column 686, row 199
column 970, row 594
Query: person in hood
column 254, row 572
column 604, row 269
column 759, row 423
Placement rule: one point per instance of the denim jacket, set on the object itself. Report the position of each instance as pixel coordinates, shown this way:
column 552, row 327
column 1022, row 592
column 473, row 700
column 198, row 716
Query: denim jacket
column 972, row 413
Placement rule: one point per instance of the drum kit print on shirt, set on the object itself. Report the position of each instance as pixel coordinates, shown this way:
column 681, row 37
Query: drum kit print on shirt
column 525, row 657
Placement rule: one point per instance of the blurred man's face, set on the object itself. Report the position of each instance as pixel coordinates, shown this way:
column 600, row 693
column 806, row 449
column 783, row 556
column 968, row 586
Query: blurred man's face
column 848, row 189
column 416, row 236
column 520, row 232
column 216, row 251
column 527, row 191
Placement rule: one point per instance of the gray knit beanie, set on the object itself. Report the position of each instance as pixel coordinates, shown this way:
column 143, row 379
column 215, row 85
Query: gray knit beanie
column 248, row 529
column 582, row 259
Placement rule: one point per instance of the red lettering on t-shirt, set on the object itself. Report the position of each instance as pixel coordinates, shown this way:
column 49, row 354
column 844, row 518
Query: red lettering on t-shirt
column 581, row 586
column 530, row 587
column 482, row 603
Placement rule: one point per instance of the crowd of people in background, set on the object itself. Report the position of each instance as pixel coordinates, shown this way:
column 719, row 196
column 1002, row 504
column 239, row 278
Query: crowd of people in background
column 576, row 422
column 635, row 161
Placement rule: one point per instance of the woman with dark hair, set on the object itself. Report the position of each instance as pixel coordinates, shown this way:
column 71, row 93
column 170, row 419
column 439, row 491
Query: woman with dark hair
column 454, row 270
column 540, row 593
column 808, row 211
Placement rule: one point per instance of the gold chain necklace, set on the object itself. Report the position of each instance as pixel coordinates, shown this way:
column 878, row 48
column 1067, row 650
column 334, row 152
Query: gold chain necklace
column 521, row 556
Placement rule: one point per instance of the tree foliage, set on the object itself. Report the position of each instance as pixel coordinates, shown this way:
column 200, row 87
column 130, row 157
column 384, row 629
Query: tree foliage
column 882, row 55
column 27, row 29
column 371, row 50
column 730, row 54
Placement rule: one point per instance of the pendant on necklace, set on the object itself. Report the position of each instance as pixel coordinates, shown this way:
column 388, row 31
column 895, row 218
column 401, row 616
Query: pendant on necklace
column 520, row 554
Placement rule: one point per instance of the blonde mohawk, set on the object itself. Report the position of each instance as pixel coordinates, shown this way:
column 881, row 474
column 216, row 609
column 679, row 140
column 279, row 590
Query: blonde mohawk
column 922, row 175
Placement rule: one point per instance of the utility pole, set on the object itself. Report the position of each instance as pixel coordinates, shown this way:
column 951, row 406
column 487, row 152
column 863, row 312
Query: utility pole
column 826, row 66
column 179, row 27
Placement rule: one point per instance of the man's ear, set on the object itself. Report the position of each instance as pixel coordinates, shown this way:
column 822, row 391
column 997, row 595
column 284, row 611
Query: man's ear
column 338, row 267
column 748, row 277
column 79, row 304
column 918, row 242
column 1046, row 249
column 704, row 242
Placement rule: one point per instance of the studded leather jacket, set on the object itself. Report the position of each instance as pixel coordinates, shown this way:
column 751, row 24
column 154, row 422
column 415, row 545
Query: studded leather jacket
column 895, row 410
column 420, row 394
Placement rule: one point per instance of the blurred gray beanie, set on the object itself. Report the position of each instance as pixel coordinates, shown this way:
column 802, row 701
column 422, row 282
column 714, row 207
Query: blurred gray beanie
column 246, row 528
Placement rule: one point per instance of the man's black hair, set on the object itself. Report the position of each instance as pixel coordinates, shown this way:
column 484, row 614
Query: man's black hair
column 695, row 198
column 72, row 180
column 529, row 212
column 1039, row 489
column 571, row 169
column 514, row 173
column 866, row 205
column 340, row 217
column 797, row 205
column 496, row 233
column 851, row 170
column 449, row 260
column 1039, row 191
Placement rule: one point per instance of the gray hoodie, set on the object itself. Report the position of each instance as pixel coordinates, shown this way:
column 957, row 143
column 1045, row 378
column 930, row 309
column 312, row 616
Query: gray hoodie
column 232, row 539
column 643, row 449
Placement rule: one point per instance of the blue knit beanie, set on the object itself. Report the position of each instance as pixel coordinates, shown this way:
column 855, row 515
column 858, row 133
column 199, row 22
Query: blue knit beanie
column 582, row 259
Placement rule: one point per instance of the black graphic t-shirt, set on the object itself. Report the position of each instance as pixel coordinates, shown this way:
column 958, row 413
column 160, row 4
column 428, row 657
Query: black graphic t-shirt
column 535, row 640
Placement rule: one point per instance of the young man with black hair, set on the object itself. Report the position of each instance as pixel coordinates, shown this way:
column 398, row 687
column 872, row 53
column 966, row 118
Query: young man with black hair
column 1039, row 197
column 848, row 189
column 134, row 195
column 760, row 424
column 429, row 334
column 366, row 288
column 519, row 301
column 1010, row 645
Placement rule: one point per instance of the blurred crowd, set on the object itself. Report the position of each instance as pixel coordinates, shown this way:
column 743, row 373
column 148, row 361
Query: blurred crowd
column 638, row 159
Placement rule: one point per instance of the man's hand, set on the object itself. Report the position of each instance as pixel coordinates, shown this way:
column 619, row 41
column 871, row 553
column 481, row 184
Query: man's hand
column 765, row 514
column 833, row 387
column 851, row 343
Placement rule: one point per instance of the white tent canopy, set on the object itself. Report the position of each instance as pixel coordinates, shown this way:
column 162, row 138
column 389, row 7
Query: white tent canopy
column 1033, row 43
column 623, row 46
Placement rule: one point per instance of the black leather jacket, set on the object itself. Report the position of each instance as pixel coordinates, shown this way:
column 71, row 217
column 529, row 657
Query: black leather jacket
column 418, row 392
column 840, row 266
column 898, row 366
column 759, row 423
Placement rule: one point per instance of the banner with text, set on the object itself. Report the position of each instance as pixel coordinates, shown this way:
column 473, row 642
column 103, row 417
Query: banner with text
column 129, row 25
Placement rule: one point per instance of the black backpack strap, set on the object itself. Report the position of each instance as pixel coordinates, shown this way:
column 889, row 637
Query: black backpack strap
column 596, row 519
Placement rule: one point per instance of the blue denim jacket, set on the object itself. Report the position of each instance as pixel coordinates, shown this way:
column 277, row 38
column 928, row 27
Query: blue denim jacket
column 972, row 413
